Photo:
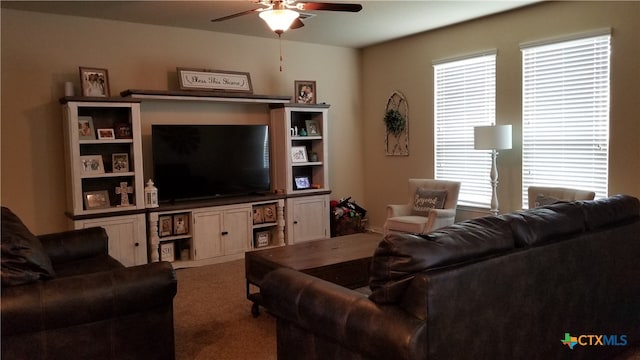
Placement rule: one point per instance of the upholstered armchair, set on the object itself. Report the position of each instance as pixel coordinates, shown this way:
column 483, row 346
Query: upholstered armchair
column 431, row 204
column 540, row 195
column 64, row 297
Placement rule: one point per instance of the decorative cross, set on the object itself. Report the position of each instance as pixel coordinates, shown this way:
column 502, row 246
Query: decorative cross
column 124, row 190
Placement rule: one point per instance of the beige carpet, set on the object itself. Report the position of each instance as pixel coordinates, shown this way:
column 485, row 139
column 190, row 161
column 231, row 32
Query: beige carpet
column 212, row 316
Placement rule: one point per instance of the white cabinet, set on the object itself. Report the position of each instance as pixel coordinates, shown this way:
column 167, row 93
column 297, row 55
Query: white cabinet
column 103, row 161
column 127, row 240
column 221, row 231
column 307, row 218
column 215, row 233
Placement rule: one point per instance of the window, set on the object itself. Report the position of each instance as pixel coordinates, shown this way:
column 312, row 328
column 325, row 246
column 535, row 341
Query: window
column 464, row 93
column 565, row 115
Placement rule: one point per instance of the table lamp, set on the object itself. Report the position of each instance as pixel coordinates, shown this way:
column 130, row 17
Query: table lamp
column 492, row 138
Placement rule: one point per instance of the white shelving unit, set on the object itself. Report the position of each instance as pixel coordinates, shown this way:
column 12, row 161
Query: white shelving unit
column 105, row 185
column 305, row 179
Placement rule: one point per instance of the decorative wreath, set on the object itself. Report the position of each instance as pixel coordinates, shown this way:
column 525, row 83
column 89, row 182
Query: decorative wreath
column 394, row 121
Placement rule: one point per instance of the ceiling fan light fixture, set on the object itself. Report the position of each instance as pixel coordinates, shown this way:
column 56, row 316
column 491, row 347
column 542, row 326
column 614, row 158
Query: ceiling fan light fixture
column 279, row 20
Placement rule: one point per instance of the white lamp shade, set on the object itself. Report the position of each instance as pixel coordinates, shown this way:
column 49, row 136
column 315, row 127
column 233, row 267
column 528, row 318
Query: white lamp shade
column 279, row 20
column 492, row 137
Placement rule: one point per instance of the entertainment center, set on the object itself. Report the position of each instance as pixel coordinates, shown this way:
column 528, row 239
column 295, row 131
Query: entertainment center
column 224, row 188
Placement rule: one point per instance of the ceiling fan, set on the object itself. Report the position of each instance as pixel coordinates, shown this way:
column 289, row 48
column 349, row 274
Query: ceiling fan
column 280, row 15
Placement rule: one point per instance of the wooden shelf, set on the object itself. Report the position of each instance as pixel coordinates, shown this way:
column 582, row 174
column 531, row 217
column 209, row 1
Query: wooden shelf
column 204, row 96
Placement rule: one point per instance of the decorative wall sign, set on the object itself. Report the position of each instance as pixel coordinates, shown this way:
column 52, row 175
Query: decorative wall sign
column 214, row 80
column 396, row 119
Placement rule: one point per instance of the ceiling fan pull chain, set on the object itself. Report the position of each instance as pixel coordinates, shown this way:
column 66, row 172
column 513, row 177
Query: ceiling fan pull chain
column 280, row 41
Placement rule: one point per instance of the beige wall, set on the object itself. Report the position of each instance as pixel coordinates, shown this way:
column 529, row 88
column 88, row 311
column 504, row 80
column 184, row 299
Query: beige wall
column 40, row 52
column 406, row 65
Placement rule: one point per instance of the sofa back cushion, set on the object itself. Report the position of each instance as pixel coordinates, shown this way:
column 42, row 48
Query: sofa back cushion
column 400, row 256
column 609, row 211
column 23, row 257
column 545, row 224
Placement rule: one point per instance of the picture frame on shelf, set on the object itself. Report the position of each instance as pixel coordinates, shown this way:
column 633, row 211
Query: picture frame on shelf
column 305, row 91
column 123, row 131
column 165, row 225
column 312, row 128
column 302, row 182
column 120, row 162
column 180, row 224
column 269, row 213
column 96, row 200
column 262, row 238
column 299, row 154
column 86, row 131
column 106, row 134
column 91, row 164
column 94, row 82
column 258, row 215
column 167, row 251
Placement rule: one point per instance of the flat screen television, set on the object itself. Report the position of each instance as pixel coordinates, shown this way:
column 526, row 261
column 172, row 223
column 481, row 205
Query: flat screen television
column 206, row 161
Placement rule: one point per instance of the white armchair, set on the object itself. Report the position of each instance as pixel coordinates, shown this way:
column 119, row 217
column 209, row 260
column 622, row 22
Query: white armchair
column 431, row 205
column 540, row 195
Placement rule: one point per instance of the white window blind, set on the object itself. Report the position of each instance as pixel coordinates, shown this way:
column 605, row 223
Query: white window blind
column 565, row 115
column 464, row 98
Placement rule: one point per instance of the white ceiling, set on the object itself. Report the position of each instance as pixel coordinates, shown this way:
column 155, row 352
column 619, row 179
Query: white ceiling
column 377, row 22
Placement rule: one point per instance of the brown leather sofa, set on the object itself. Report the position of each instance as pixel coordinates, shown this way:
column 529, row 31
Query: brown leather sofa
column 505, row 287
column 64, row 297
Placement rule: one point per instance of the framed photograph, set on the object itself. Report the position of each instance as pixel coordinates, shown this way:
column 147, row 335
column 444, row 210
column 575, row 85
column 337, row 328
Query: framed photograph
column 302, row 182
column 180, row 225
column 165, row 225
column 106, row 134
column 262, row 238
column 167, row 252
column 120, row 162
column 299, row 154
column 91, row 164
column 258, row 215
column 96, row 200
column 123, row 131
column 269, row 213
column 214, row 80
column 94, row 82
column 85, row 128
column 312, row 128
column 306, row 92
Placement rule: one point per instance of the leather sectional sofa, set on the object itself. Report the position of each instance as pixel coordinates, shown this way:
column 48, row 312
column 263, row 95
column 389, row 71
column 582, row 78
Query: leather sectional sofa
column 64, row 297
column 557, row 282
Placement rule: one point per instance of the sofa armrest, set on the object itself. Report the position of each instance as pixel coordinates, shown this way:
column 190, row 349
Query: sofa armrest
column 343, row 316
column 398, row 210
column 75, row 244
column 74, row 300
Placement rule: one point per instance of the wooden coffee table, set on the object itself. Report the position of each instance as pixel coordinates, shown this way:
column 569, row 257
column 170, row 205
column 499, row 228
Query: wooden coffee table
column 343, row 260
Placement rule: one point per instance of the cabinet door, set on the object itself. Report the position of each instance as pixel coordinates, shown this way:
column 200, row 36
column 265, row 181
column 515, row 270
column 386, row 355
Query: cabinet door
column 237, row 230
column 207, row 229
column 127, row 239
column 307, row 218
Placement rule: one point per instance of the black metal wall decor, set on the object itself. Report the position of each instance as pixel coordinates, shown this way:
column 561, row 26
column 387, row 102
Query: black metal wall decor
column 396, row 120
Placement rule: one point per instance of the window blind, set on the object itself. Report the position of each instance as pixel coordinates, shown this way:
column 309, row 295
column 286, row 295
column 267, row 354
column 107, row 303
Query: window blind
column 565, row 115
column 464, row 92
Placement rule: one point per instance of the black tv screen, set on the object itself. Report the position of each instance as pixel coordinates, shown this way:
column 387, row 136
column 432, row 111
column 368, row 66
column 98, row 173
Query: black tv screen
column 206, row 161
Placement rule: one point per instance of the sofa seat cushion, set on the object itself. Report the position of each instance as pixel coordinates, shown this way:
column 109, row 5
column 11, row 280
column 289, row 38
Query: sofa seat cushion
column 87, row 266
column 399, row 257
column 412, row 224
column 23, row 258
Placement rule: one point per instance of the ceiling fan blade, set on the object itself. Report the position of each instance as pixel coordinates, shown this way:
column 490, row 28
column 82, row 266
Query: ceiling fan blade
column 297, row 23
column 236, row 15
column 329, row 6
